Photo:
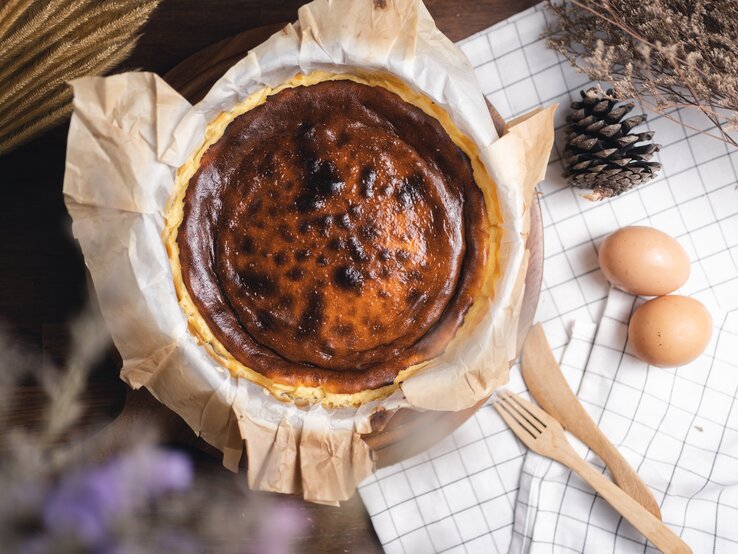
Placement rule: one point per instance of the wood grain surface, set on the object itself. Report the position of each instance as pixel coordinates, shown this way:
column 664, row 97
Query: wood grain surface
column 42, row 273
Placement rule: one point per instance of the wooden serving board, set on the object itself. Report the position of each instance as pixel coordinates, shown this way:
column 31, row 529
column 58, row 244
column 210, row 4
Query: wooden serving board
column 401, row 434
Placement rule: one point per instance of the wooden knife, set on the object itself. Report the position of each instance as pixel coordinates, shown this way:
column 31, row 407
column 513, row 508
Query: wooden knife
column 548, row 386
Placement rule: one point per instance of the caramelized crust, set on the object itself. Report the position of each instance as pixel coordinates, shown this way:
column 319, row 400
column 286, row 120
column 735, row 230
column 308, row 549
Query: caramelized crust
column 333, row 236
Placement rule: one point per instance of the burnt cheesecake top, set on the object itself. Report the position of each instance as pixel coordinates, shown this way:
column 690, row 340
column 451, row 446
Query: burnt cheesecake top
column 333, row 236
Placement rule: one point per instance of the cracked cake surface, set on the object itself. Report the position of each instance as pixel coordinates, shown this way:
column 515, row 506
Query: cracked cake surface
column 329, row 237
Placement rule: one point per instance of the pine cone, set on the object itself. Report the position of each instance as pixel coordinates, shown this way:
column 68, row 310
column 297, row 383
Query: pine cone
column 601, row 152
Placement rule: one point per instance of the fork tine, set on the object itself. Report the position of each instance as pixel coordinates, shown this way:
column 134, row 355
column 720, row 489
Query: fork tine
column 512, row 417
column 522, row 433
column 522, row 415
column 552, row 443
column 528, row 410
column 536, row 412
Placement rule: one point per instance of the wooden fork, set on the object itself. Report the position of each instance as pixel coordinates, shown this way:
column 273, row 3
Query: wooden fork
column 545, row 436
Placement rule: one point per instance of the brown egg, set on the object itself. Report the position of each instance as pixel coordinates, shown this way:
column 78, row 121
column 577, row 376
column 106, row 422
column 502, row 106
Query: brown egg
column 644, row 261
column 670, row 331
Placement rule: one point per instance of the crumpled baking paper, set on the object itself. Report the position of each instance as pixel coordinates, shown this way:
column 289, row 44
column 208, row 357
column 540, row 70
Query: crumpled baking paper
column 128, row 135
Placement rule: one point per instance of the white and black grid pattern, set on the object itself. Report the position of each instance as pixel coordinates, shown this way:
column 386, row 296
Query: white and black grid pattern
column 678, row 428
column 461, row 495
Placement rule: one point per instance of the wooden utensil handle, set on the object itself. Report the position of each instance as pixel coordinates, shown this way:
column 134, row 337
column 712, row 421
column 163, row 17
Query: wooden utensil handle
column 548, row 386
column 651, row 527
column 622, row 473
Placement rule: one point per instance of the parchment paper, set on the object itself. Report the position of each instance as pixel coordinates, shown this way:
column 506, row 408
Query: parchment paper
column 128, row 135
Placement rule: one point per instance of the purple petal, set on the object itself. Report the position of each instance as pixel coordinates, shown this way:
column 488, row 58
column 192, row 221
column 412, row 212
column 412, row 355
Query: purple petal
column 87, row 502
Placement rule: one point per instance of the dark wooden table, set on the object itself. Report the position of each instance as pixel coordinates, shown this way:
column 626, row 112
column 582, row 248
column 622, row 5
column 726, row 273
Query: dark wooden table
column 42, row 273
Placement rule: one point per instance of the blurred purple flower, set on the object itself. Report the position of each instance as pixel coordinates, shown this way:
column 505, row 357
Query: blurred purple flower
column 87, row 502
column 280, row 526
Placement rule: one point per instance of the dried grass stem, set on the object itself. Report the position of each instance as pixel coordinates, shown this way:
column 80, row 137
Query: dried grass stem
column 45, row 44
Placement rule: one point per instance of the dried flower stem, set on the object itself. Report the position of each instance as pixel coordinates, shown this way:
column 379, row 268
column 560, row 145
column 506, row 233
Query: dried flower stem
column 90, row 338
column 49, row 118
column 45, row 44
column 38, row 105
column 10, row 13
column 666, row 53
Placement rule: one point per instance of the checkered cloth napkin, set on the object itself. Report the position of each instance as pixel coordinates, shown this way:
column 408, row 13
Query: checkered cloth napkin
column 479, row 490
column 677, row 427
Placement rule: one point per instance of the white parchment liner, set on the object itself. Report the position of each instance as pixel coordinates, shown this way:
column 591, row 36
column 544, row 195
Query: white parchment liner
column 128, row 135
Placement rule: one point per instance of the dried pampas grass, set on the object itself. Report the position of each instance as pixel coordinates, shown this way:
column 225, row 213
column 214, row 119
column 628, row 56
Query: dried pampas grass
column 45, row 43
column 668, row 54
